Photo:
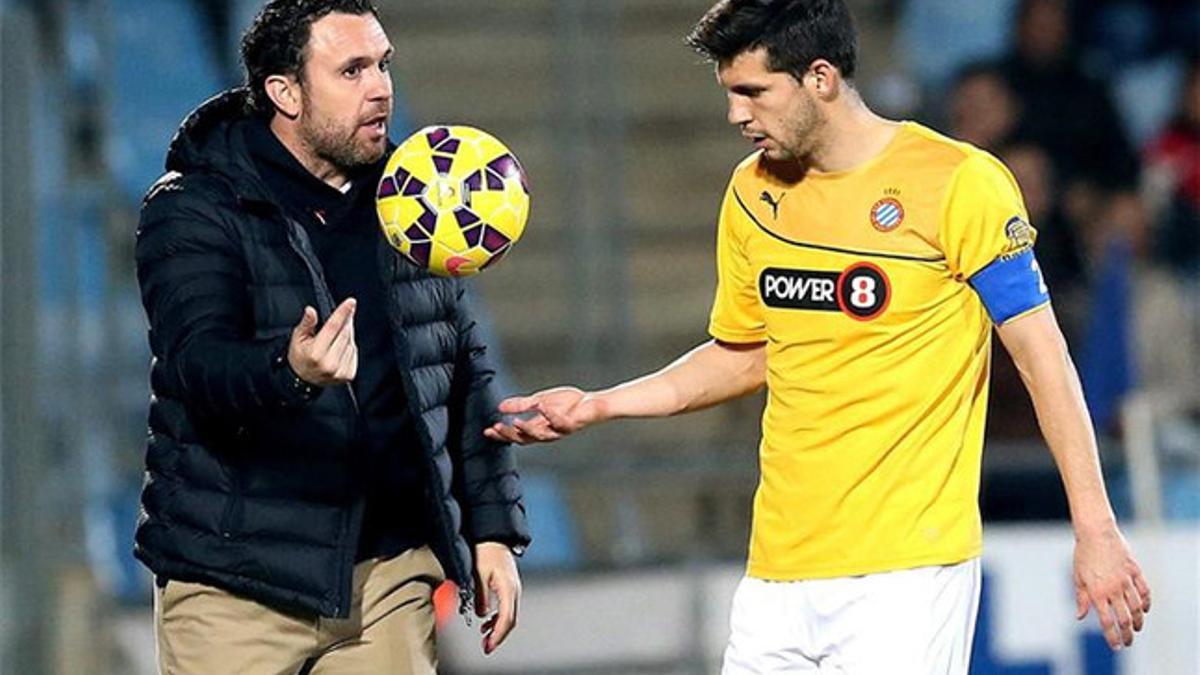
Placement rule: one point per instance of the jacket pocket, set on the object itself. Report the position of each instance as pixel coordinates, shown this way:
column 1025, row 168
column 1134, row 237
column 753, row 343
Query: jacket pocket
column 229, row 516
column 231, row 512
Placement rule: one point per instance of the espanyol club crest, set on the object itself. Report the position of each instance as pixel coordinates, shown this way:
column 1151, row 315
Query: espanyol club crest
column 887, row 214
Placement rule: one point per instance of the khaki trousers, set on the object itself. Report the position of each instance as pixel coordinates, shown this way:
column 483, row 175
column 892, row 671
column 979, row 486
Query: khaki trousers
column 201, row 630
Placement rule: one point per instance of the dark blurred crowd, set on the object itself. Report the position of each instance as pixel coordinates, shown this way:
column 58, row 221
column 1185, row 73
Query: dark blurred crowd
column 1118, row 217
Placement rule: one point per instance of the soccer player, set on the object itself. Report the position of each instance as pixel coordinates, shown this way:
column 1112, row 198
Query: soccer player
column 862, row 267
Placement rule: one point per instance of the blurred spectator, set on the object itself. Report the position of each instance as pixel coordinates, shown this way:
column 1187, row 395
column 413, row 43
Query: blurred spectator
column 1166, row 334
column 1173, row 180
column 983, row 109
column 1121, row 31
column 1066, row 111
column 1142, row 330
column 1168, row 327
column 1058, row 245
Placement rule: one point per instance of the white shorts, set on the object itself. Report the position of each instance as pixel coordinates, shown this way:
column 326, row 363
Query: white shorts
column 910, row 622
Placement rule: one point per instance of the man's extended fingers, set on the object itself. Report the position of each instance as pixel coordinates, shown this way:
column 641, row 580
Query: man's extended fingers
column 1081, row 603
column 307, row 325
column 1108, row 620
column 1124, row 621
column 522, row 432
column 341, row 345
column 500, row 432
column 507, row 434
column 1143, row 589
column 517, row 405
column 506, row 614
column 557, row 420
column 333, row 327
column 349, row 363
column 1134, row 602
column 537, row 428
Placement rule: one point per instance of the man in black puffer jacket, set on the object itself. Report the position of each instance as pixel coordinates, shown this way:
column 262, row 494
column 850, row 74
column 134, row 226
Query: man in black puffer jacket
column 316, row 464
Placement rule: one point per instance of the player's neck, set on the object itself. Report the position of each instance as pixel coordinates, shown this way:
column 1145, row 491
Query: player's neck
column 325, row 171
column 853, row 135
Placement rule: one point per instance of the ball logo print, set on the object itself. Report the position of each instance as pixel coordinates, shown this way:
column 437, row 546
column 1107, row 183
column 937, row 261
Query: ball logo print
column 453, row 200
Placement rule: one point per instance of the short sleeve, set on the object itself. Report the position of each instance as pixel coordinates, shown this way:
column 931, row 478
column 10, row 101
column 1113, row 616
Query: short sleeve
column 984, row 217
column 736, row 313
column 988, row 240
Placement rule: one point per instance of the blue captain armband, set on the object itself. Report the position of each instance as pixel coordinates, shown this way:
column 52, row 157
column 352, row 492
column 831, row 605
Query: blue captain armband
column 1011, row 286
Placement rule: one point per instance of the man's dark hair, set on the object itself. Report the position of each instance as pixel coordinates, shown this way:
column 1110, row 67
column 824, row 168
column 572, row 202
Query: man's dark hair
column 275, row 43
column 794, row 32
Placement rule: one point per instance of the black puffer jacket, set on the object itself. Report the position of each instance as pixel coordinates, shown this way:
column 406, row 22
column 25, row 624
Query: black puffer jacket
column 249, row 487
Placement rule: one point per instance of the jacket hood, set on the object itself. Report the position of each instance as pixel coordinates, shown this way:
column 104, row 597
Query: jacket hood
column 212, row 138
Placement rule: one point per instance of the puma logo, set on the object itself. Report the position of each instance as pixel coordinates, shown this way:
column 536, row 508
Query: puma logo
column 774, row 203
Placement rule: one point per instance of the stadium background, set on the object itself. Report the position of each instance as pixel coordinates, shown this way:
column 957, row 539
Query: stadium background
column 640, row 528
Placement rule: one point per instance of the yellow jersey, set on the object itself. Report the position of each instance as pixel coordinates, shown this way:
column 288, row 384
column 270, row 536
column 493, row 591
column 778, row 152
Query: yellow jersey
column 877, row 349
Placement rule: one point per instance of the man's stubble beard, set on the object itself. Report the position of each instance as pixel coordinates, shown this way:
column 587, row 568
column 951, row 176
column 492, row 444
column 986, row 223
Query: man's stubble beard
column 335, row 143
column 802, row 134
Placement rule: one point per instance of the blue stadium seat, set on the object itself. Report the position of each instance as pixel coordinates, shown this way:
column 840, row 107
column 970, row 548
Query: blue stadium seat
column 164, row 66
column 1144, row 95
column 1106, row 364
column 936, row 37
column 555, row 541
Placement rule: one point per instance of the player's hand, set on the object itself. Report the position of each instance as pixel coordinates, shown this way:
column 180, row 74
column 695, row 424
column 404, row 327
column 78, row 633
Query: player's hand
column 1108, row 578
column 496, row 574
column 328, row 356
column 555, row 412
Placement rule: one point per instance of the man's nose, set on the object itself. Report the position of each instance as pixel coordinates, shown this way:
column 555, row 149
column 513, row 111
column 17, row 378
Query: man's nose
column 738, row 114
column 381, row 86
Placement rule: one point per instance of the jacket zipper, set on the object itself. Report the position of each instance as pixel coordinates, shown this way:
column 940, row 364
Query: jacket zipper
column 325, row 308
column 464, row 577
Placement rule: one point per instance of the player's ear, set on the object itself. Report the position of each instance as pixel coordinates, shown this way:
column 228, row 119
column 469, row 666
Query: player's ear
column 825, row 78
column 284, row 92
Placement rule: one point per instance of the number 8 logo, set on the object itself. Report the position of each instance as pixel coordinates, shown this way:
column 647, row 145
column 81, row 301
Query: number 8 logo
column 863, row 291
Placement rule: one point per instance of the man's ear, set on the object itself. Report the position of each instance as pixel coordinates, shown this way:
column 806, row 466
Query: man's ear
column 284, row 92
column 827, row 79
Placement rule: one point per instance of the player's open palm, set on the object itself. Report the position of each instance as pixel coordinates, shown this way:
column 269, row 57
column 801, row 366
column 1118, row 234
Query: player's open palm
column 327, row 356
column 1108, row 578
column 546, row 416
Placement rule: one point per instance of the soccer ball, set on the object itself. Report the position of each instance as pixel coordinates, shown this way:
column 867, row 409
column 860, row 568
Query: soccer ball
column 453, row 200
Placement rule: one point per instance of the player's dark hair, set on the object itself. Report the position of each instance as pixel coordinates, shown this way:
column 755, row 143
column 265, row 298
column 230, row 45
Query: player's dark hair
column 276, row 42
column 794, row 32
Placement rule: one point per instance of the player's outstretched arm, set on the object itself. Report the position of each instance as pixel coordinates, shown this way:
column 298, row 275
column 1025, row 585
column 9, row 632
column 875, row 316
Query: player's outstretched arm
column 709, row 374
column 1107, row 576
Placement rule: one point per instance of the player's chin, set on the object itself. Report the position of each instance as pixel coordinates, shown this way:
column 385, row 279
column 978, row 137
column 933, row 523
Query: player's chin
column 776, row 153
column 372, row 150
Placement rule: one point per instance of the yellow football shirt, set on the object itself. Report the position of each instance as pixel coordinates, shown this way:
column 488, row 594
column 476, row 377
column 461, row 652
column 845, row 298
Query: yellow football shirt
column 877, row 350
